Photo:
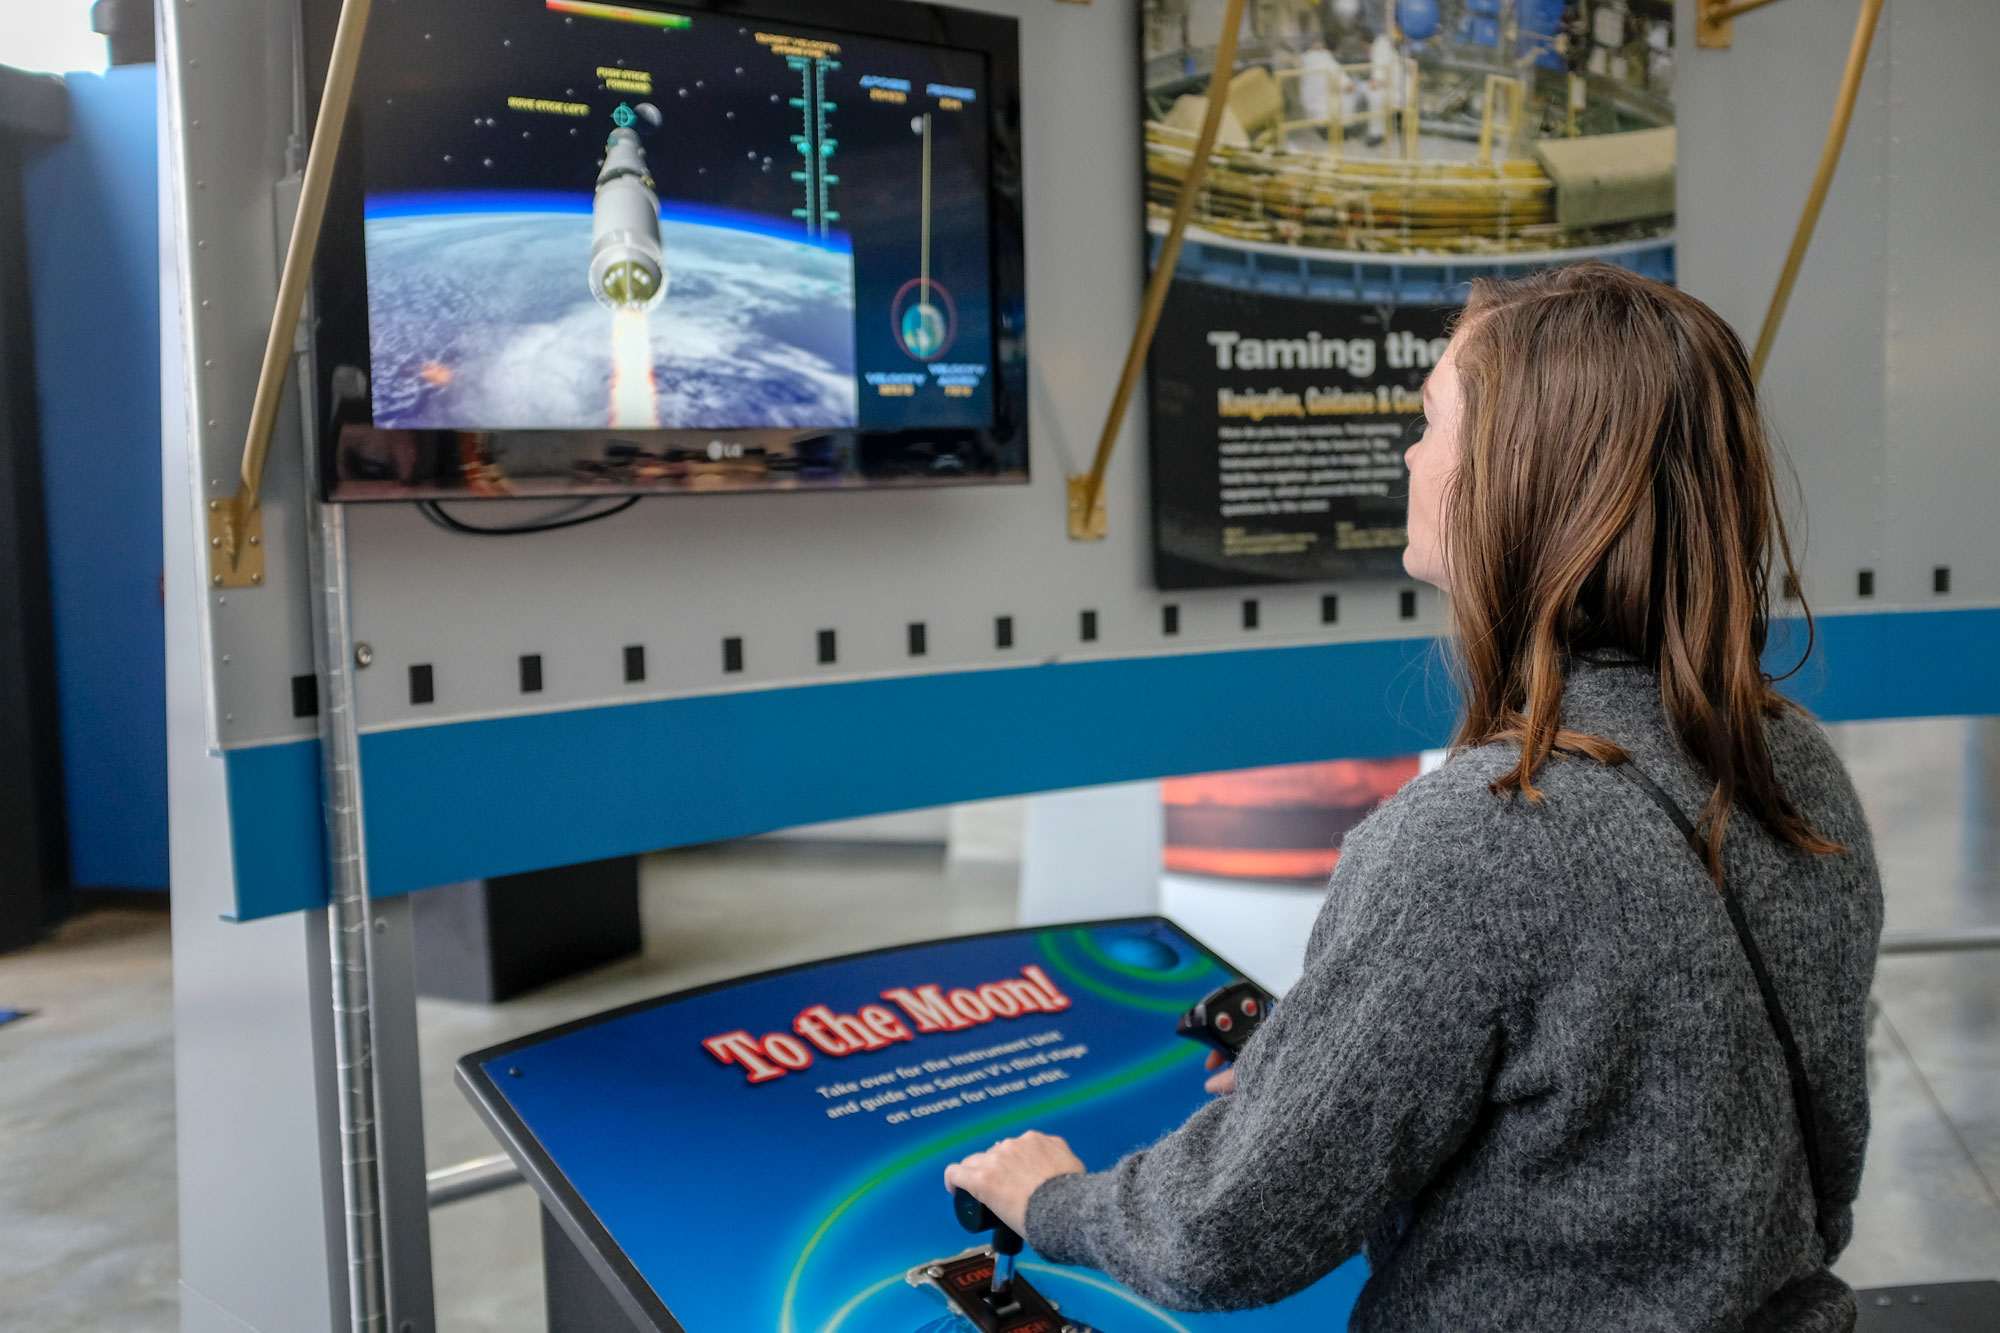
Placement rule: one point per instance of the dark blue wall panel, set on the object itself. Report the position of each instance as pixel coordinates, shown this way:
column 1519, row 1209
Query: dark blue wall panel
column 93, row 253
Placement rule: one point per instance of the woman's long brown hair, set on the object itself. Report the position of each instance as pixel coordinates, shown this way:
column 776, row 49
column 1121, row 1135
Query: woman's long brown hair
column 1616, row 496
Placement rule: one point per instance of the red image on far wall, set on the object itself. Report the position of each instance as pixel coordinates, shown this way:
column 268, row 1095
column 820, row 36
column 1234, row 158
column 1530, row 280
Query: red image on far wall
column 1282, row 823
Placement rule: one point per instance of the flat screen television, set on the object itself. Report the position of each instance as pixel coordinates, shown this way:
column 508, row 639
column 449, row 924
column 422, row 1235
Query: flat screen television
column 581, row 248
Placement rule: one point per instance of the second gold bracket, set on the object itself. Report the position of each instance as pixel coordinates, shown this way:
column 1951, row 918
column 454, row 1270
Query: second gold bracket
column 246, row 570
column 1084, row 528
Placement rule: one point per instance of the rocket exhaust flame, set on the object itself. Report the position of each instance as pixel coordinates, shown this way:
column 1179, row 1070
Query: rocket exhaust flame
column 635, row 402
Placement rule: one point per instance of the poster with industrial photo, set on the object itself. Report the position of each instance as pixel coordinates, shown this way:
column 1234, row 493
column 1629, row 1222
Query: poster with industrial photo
column 1375, row 156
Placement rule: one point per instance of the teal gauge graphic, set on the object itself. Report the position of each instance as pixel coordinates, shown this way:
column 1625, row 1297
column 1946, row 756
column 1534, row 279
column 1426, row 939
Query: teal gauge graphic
column 924, row 317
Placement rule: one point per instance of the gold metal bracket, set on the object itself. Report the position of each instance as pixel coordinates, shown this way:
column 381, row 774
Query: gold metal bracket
column 1714, row 25
column 235, row 546
column 1084, row 528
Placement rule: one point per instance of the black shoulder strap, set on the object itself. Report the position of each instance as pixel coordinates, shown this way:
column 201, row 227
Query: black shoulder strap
column 1781, row 1027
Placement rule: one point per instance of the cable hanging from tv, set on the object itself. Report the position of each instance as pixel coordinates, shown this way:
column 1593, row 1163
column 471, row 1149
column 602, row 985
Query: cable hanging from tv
column 569, row 517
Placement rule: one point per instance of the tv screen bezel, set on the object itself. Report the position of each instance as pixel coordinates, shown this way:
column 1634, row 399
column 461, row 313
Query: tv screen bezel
column 339, row 311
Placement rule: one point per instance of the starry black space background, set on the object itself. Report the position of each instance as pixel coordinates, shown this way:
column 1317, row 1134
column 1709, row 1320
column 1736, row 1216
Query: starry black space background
column 437, row 75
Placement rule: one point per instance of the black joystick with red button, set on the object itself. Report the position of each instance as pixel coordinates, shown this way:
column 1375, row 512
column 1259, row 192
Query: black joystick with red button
column 1225, row 1018
column 982, row 1285
column 976, row 1216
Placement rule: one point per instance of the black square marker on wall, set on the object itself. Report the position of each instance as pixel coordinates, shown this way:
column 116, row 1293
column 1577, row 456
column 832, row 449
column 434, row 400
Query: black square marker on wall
column 1790, row 588
column 423, row 689
column 732, row 654
column 1409, row 604
column 1250, row 613
column 1864, row 583
column 1003, row 632
column 531, row 673
column 919, row 639
column 1170, row 620
column 305, row 696
column 1329, row 609
column 1087, row 627
column 829, row 647
column 635, row 664
column 1941, row 579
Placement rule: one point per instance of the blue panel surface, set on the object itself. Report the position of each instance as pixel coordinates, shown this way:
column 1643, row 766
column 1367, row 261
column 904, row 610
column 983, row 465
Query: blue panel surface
column 1907, row 664
column 494, row 797
column 471, row 800
column 93, row 253
column 799, row 1202
column 277, row 829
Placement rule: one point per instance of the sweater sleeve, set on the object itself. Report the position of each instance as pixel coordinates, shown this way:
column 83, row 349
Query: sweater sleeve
column 1355, row 1091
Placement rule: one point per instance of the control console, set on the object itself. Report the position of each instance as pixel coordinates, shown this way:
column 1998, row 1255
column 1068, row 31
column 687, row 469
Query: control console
column 1224, row 1019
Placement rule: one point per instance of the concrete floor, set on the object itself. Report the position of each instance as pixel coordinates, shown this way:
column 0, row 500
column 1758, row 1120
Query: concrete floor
column 86, row 1086
column 87, row 1130
column 1930, row 1196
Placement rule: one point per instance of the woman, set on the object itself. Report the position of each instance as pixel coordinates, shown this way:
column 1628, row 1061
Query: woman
column 1529, row 1065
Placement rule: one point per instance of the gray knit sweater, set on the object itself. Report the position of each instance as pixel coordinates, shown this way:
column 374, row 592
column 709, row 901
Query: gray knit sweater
column 1529, row 1067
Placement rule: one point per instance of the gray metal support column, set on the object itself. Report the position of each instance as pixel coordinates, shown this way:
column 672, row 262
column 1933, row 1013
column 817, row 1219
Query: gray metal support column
column 406, row 1217
column 270, row 1067
column 249, row 998
column 350, row 922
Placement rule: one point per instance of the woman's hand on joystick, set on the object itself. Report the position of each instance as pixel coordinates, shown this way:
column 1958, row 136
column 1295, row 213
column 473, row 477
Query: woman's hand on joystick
column 1005, row 1175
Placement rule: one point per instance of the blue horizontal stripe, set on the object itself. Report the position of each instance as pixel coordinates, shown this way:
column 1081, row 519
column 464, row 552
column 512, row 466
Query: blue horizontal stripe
column 471, row 800
column 511, row 203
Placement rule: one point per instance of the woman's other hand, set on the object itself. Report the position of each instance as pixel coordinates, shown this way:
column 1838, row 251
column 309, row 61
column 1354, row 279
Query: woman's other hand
column 1005, row 1175
column 1224, row 1083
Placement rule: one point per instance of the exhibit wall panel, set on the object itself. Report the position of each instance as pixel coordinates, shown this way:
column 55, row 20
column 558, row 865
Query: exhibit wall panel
column 1944, row 300
column 1753, row 120
column 230, row 120
column 487, row 778
column 677, row 576
column 258, row 1194
column 1878, row 383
